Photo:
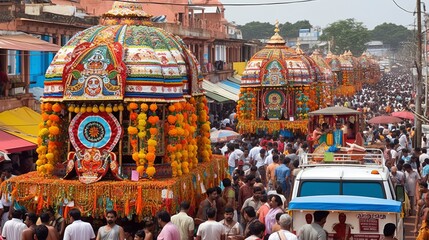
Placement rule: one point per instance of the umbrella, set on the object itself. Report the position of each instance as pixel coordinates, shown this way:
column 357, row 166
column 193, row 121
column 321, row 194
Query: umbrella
column 384, row 119
column 404, row 114
column 223, row 136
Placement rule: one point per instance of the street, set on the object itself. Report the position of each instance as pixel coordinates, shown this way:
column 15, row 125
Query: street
column 409, row 226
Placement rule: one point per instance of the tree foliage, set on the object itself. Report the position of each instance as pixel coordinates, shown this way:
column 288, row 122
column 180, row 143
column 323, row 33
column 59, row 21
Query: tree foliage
column 289, row 30
column 343, row 35
column 346, row 35
column 257, row 30
column 391, row 34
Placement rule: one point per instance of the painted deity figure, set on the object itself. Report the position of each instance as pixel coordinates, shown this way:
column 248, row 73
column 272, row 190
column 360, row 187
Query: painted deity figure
column 274, row 106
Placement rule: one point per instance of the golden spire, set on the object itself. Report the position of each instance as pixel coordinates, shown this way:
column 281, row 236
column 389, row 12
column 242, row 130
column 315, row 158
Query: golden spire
column 276, row 39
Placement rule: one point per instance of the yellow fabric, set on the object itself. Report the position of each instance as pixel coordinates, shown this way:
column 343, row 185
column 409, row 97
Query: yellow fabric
column 239, row 67
column 22, row 122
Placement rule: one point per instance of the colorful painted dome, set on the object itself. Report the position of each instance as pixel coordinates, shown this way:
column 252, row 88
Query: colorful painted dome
column 324, row 67
column 333, row 61
column 279, row 65
column 124, row 58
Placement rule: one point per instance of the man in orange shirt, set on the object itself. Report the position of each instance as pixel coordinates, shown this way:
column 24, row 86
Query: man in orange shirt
column 271, row 179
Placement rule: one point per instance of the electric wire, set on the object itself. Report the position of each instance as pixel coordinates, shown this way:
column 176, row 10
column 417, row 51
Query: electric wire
column 222, row 4
column 403, row 9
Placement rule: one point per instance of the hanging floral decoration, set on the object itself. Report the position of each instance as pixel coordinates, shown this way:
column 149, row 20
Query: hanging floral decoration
column 190, row 132
column 139, row 155
column 50, row 138
column 153, row 120
column 133, row 130
column 246, row 104
column 203, row 138
column 302, row 105
column 142, row 198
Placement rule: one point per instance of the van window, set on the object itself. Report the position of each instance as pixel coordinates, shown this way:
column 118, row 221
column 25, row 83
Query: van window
column 353, row 188
column 319, row 188
column 364, row 189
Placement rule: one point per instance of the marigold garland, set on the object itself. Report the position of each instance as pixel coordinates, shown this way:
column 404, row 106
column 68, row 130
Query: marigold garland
column 203, row 138
column 152, row 143
column 49, row 140
column 246, row 105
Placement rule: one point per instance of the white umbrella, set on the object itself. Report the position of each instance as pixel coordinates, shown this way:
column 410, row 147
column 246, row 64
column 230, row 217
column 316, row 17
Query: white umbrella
column 223, row 136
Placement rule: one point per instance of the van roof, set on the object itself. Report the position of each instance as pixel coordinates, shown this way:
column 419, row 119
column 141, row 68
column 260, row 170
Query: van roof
column 365, row 156
column 346, row 172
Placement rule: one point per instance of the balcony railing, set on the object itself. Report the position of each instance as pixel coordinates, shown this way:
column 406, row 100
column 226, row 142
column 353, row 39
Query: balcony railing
column 11, row 9
column 180, row 30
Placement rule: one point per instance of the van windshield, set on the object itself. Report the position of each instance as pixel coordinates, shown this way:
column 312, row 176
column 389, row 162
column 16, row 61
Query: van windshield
column 353, row 188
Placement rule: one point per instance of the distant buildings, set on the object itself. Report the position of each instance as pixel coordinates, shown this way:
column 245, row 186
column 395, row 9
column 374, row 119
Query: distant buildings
column 215, row 42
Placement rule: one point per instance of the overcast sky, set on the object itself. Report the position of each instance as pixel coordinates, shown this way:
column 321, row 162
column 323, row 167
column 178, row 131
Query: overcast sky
column 324, row 12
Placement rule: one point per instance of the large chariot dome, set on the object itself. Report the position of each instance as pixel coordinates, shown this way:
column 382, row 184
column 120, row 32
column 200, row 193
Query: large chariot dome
column 279, row 65
column 127, row 58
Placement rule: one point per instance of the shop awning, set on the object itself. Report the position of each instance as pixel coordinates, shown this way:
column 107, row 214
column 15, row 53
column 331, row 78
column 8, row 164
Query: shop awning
column 211, row 87
column 235, row 79
column 216, row 97
column 229, row 86
column 12, row 144
column 21, row 122
column 26, row 42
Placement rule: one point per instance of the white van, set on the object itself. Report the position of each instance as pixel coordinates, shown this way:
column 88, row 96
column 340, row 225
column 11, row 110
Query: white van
column 357, row 185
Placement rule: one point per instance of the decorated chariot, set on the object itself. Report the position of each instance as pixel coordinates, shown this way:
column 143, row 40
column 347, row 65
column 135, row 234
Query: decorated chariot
column 124, row 123
column 279, row 87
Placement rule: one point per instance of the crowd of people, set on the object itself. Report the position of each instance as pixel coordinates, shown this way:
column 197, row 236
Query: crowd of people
column 252, row 203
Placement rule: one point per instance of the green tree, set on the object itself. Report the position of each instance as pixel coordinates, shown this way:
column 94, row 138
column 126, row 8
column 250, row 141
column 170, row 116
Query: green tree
column 391, row 34
column 289, row 30
column 346, row 35
column 257, row 30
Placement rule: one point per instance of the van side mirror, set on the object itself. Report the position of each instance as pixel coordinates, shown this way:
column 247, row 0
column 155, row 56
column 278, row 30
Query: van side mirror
column 400, row 193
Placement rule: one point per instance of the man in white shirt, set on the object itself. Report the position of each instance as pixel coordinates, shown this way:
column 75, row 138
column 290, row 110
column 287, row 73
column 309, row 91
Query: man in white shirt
column 423, row 156
column 260, row 164
column 184, row 222
column 6, row 199
column 78, row 230
column 403, row 141
column 211, row 229
column 231, row 227
column 285, row 221
column 254, row 152
column 234, row 156
column 12, row 229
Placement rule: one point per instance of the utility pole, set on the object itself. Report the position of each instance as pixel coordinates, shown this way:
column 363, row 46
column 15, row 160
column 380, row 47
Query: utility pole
column 418, row 122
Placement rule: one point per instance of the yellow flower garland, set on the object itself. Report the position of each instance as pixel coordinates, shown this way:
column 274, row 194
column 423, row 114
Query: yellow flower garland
column 49, row 138
column 203, row 139
column 151, row 143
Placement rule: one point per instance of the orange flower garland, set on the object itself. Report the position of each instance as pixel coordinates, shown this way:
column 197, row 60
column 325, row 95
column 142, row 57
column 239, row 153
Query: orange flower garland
column 203, row 139
column 172, row 141
column 49, row 139
column 246, row 105
column 133, row 131
column 192, row 128
column 151, row 143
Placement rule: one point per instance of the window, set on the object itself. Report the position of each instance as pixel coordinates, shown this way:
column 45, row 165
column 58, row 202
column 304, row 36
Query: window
column 350, row 188
column 319, row 188
column 364, row 189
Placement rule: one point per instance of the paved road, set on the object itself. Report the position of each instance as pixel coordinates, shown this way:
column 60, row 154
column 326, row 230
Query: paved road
column 409, row 227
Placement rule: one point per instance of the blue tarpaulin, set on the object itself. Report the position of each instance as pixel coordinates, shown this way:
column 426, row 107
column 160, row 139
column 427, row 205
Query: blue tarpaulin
column 345, row 203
